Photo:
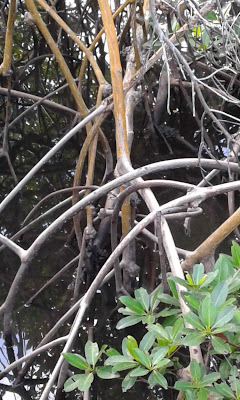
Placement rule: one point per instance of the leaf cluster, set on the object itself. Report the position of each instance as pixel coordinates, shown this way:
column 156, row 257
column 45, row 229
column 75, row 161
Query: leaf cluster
column 213, row 320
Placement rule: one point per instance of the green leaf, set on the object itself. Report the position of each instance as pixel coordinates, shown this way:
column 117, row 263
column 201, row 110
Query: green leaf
column 125, row 350
column 112, row 352
column 159, row 378
column 193, row 339
column 237, row 387
column 106, row 373
column 219, row 294
column 128, row 382
column 167, row 299
column 234, row 382
column 77, row 361
column 237, row 315
column 142, row 357
column 128, row 321
column 169, row 321
column 131, row 344
column 224, row 369
column 191, row 301
column 143, row 298
column 124, row 366
column 91, row 352
column 224, row 390
column 132, row 304
column 208, row 312
column 177, row 327
column 196, row 371
column 197, row 31
column 159, row 355
column 213, row 391
column 234, row 282
column 154, row 298
column 172, row 349
column 126, row 311
column 189, row 279
column 140, row 371
column 225, row 328
column 147, row 341
column 103, row 348
column 194, row 320
column 198, row 273
column 235, row 249
column 227, row 303
column 148, row 319
column 85, row 381
column 71, row 383
column 210, row 378
column 183, row 385
column 162, row 363
column 212, row 16
column 158, row 331
column 220, row 346
column 173, row 288
column 167, row 312
column 180, row 281
column 224, row 316
column 225, row 268
column 209, row 278
column 190, row 394
column 202, row 394
column 114, row 360
column 151, row 380
column 155, row 379
column 205, row 39
column 234, row 372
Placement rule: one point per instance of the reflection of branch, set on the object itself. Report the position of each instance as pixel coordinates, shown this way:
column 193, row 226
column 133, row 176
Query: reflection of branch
column 62, row 63
column 98, row 193
column 89, row 145
column 198, row 195
column 35, row 352
column 52, row 280
column 82, row 47
column 201, row 194
column 41, row 101
column 48, row 156
column 5, row 146
column 57, row 107
column 53, row 194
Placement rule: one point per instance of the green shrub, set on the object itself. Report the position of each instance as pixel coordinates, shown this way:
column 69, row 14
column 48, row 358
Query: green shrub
column 214, row 317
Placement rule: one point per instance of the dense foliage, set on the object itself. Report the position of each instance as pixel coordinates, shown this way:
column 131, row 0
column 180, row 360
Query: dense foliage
column 214, row 317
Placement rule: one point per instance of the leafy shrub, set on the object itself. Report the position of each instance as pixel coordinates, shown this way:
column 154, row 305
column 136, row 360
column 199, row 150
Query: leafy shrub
column 214, row 318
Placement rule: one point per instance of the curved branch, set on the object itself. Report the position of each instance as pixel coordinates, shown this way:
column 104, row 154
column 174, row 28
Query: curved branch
column 48, row 156
column 49, row 103
column 13, row 246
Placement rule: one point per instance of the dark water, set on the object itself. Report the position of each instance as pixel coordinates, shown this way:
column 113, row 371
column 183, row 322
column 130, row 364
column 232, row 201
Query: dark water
column 30, row 323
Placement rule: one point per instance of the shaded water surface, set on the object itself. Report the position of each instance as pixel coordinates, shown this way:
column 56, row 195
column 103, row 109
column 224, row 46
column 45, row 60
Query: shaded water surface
column 31, row 321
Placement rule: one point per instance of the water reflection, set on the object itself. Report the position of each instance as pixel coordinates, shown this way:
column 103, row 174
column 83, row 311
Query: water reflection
column 32, row 321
